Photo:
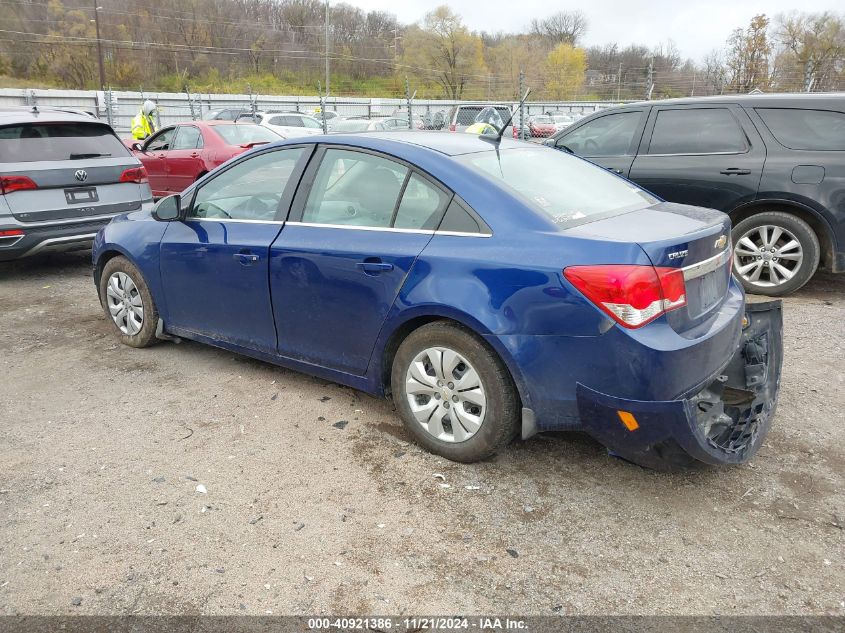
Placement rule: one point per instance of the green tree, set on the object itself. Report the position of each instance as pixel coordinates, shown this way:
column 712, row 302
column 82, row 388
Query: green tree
column 565, row 70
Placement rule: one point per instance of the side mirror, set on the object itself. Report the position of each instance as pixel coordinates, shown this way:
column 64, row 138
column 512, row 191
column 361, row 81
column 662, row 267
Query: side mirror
column 168, row 209
column 137, row 147
column 549, row 142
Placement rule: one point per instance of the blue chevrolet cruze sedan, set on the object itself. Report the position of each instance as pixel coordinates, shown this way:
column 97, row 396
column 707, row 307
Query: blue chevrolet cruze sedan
column 492, row 287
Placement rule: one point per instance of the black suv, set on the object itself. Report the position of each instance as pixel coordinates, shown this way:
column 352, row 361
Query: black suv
column 774, row 163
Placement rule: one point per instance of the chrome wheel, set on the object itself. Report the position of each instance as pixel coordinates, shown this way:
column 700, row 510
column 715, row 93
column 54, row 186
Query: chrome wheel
column 768, row 256
column 125, row 304
column 445, row 394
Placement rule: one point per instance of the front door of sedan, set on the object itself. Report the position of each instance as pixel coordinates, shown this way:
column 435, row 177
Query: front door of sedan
column 154, row 158
column 342, row 258
column 214, row 263
column 609, row 140
column 184, row 161
column 708, row 156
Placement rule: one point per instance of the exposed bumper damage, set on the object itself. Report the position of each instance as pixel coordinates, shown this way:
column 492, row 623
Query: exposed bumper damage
column 725, row 422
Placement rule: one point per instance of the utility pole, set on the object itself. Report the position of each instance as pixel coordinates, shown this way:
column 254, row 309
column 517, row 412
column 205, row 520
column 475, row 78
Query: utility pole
column 521, row 108
column 327, row 48
column 692, row 92
column 99, row 47
column 322, row 108
column 809, row 77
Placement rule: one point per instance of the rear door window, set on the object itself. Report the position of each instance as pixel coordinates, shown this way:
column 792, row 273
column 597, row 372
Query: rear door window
column 355, row 189
column 806, row 129
column 697, row 131
column 609, row 135
column 188, row 137
column 33, row 142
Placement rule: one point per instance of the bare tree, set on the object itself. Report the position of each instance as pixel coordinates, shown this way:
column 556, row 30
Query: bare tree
column 564, row 27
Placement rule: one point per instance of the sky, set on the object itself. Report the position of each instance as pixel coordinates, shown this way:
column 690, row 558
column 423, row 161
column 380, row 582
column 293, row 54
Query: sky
column 696, row 26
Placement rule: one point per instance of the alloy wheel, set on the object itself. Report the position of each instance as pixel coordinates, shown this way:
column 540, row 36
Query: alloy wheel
column 768, row 256
column 124, row 303
column 445, row 394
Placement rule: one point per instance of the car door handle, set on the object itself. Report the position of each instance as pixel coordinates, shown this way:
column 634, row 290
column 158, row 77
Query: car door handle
column 194, row 154
column 735, row 171
column 374, row 267
column 246, row 258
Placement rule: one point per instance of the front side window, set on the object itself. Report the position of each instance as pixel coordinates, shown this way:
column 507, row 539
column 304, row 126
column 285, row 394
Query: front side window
column 355, row 189
column 566, row 188
column 188, row 137
column 250, row 190
column 794, row 128
column 609, row 135
column 312, row 123
column 697, row 131
column 161, row 142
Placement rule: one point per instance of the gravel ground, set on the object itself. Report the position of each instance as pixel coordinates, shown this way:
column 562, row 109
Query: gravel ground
column 185, row 479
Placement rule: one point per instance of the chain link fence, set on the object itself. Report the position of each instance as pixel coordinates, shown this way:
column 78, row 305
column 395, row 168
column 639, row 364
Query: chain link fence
column 119, row 107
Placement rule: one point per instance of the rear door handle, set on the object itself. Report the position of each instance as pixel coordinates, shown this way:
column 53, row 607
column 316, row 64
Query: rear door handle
column 194, row 154
column 374, row 267
column 246, row 258
column 735, row 171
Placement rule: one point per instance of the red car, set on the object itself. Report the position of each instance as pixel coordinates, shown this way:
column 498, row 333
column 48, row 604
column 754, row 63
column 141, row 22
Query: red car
column 542, row 126
column 176, row 156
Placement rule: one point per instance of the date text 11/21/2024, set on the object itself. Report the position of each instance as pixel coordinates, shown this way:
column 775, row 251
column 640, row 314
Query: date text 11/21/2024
column 417, row 623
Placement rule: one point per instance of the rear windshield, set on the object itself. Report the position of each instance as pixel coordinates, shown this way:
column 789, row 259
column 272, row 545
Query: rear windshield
column 566, row 188
column 245, row 134
column 806, row 129
column 33, row 142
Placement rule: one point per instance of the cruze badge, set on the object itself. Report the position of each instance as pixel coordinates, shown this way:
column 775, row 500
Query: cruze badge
column 678, row 254
column 720, row 243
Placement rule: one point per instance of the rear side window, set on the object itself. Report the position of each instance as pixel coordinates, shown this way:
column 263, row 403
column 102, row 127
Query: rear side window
column 806, row 129
column 422, row 205
column 466, row 115
column 354, row 189
column 188, row 137
column 245, row 134
column 697, row 131
column 33, row 142
column 459, row 220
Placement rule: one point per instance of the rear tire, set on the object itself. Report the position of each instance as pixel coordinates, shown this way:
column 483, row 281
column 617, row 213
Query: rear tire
column 779, row 266
column 453, row 393
column 128, row 304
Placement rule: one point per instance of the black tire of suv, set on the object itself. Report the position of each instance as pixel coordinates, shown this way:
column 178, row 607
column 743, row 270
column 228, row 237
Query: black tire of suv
column 147, row 335
column 501, row 421
column 803, row 233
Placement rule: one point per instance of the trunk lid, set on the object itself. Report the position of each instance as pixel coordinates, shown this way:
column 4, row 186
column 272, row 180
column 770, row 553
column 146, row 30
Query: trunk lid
column 694, row 239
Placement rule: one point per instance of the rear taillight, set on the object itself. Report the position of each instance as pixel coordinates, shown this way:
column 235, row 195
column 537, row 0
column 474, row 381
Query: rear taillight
column 8, row 184
column 631, row 295
column 11, row 233
column 453, row 128
column 137, row 175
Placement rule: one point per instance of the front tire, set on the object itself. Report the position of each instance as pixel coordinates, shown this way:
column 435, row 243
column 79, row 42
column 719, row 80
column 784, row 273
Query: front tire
column 128, row 304
column 775, row 253
column 454, row 394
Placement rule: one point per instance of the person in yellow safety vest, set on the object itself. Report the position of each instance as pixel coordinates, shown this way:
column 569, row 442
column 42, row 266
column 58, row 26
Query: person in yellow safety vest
column 488, row 121
column 143, row 125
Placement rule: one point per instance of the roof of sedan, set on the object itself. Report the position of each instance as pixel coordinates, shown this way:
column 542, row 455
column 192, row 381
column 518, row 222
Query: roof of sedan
column 10, row 115
column 449, row 143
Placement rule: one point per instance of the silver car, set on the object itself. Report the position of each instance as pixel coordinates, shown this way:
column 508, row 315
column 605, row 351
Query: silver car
column 63, row 175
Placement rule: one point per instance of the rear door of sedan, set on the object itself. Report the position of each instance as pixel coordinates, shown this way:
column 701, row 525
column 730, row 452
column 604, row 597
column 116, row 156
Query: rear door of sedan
column 359, row 221
column 184, row 162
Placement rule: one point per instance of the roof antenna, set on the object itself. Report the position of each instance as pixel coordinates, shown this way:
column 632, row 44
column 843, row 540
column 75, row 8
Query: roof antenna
column 498, row 138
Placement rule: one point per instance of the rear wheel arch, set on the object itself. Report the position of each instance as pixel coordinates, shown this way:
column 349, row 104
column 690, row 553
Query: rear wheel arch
column 400, row 333
column 813, row 218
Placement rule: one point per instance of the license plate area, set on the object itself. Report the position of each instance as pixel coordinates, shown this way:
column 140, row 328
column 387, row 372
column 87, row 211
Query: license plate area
column 81, row 195
column 711, row 289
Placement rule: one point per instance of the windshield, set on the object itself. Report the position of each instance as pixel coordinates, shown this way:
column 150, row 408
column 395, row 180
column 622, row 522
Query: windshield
column 566, row 188
column 312, row 123
column 245, row 134
column 33, row 142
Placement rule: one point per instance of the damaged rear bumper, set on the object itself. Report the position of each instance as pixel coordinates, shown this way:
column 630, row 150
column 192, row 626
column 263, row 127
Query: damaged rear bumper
column 724, row 422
